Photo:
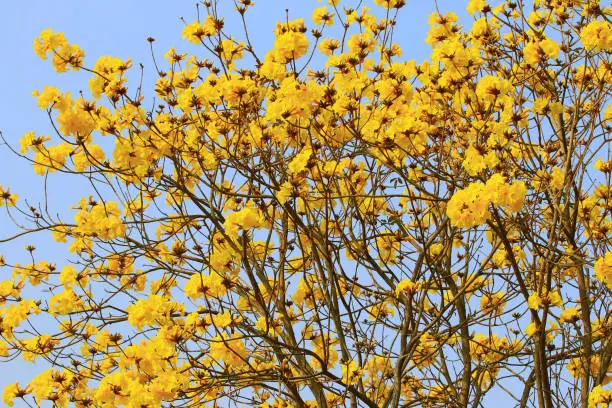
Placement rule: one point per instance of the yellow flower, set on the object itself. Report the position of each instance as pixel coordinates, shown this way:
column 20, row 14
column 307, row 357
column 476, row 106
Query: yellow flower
column 381, row 310
column 351, row 373
column 290, row 45
column 300, row 161
column 118, row 388
column 65, row 302
column 597, row 36
column 407, row 286
column 551, row 332
column 490, row 88
column 474, row 162
column 552, row 298
column 76, row 121
column 603, row 269
column 550, row 48
column 64, row 54
column 322, row 16
column 503, row 194
column 51, row 159
column 600, row 398
column 469, row 207
column 576, row 366
column 608, row 113
column 328, row 45
column 493, row 303
column 600, row 327
column 200, row 285
column 46, row 41
column 222, row 320
column 37, row 346
column 6, row 197
column 48, row 97
column 268, row 326
column 195, row 31
column 99, row 219
column 388, row 4
column 388, row 246
column 68, row 275
column 156, row 309
column 426, row 351
column 108, row 78
column 557, row 178
column 534, row 302
column 13, row 391
column 538, row 51
column 15, row 314
column 531, row 329
column 436, row 249
column 245, row 219
column 475, row 6
column 229, row 350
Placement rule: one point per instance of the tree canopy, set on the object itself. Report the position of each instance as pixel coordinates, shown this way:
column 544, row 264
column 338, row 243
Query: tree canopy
column 327, row 223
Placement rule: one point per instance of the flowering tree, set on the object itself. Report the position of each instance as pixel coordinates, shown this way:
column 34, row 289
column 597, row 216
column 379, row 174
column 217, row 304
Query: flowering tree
column 328, row 224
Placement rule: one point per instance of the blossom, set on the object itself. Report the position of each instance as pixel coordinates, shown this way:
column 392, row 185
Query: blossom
column 490, row 88
column 407, row 286
column 196, row 31
column 229, row 350
column 8, row 198
column 290, row 45
column 597, row 36
column 13, row 391
column 99, row 219
column 321, row 16
column 244, row 219
column 600, row 398
column 469, row 207
column 64, row 54
column 351, row 373
column 552, row 298
column 603, row 269
column 557, row 178
column 475, row 6
column 65, row 302
column 538, row 51
column 426, row 351
column 210, row 285
column 154, row 309
column 493, row 303
column 300, row 161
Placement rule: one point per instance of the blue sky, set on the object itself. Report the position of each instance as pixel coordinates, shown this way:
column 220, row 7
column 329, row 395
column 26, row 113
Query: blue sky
column 117, row 28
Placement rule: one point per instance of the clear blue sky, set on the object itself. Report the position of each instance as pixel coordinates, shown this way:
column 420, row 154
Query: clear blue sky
column 117, row 28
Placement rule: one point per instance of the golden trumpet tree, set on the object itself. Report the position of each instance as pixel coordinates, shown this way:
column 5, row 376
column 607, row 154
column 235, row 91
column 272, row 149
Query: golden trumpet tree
column 328, row 223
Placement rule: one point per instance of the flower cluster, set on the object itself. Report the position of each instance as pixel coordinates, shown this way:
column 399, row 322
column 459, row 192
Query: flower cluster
column 469, row 207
